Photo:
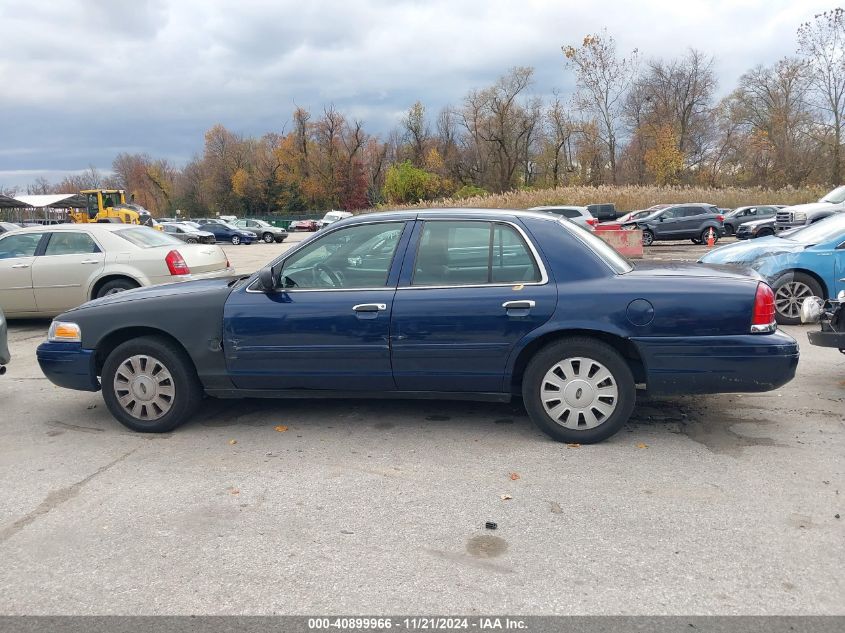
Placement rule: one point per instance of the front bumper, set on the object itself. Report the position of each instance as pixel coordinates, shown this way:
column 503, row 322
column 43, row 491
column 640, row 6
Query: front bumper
column 743, row 363
column 68, row 365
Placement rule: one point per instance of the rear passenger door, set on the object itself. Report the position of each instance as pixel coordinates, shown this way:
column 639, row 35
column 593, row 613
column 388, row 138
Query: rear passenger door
column 64, row 273
column 468, row 292
column 17, row 254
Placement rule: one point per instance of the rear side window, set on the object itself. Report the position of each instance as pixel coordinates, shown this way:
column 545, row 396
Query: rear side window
column 454, row 253
column 70, row 243
column 144, row 237
column 19, row 245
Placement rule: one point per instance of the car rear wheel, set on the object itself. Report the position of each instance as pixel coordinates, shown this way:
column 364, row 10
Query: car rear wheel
column 790, row 292
column 648, row 237
column 236, row 240
column 705, row 235
column 579, row 390
column 150, row 385
column 115, row 286
column 268, row 238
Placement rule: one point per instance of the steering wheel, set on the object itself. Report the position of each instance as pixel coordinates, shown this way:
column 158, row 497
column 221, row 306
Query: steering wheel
column 334, row 278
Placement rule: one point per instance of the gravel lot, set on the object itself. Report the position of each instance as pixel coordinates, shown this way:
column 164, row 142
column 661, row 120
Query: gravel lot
column 706, row 505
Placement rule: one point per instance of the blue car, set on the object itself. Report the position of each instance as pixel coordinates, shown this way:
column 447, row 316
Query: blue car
column 805, row 262
column 443, row 304
column 225, row 232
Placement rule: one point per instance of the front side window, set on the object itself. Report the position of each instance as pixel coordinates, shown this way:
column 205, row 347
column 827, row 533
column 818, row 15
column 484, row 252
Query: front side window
column 69, row 243
column 353, row 257
column 19, row 245
column 454, row 253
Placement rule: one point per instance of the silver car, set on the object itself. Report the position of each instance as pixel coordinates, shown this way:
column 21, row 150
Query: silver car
column 46, row 270
column 264, row 230
column 578, row 215
column 187, row 233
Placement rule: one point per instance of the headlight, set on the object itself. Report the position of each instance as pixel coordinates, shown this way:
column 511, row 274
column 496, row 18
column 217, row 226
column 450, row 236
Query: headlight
column 799, row 216
column 61, row 332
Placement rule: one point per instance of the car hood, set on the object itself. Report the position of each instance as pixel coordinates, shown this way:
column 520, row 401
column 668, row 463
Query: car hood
column 811, row 206
column 682, row 269
column 752, row 251
column 184, row 289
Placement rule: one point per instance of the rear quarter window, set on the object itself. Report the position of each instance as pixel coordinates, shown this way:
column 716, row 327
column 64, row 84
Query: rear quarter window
column 144, row 237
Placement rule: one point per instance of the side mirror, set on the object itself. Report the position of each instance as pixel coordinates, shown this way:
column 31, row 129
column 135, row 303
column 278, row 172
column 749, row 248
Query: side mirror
column 268, row 278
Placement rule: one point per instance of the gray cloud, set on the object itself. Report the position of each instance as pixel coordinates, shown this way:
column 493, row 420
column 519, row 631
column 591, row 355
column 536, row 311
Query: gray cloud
column 86, row 79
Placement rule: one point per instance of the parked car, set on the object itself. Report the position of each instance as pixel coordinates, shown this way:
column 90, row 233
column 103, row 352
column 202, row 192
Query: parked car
column 742, row 215
column 603, row 212
column 5, row 227
column 5, row 356
column 332, row 216
column 225, row 232
column 266, row 231
column 804, row 214
column 303, row 225
column 458, row 303
column 46, row 270
column 680, row 222
column 188, row 233
column 756, row 228
column 803, row 263
column 579, row 215
column 628, row 217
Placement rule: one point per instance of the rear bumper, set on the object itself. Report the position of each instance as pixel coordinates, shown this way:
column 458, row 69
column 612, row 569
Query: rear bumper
column 718, row 364
column 827, row 339
column 68, row 365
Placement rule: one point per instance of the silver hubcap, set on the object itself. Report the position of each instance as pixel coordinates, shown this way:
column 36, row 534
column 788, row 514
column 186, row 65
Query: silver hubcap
column 790, row 296
column 579, row 393
column 113, row 291
column 144, row 387
column 647, row 239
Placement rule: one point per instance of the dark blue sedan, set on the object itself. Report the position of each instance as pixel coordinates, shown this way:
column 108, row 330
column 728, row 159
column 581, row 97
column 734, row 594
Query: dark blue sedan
column 225, row 232
column 443, row 304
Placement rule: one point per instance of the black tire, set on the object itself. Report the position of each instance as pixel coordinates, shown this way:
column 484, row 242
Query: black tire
column 705, row 234
column 648, row 237
column 585, row 348
column 191, row 240
column 185, row 384
column 786, row 287
column 729, row 229
column 235, row 240
column 765, row 232
column 280, row 238
column 114, row 286
column 268, row 238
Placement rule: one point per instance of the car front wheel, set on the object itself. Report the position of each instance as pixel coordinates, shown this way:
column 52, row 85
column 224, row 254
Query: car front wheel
column 236, row 240
column 150, row 385
column 790, row 292
column 579, row 390
column 268, row 238
column 648, row 237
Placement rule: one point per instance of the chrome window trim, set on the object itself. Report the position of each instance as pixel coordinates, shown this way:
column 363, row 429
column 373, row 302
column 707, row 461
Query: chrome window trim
column 544, row 277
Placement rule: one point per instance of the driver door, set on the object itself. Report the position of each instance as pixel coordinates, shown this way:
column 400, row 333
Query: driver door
column 328, row 326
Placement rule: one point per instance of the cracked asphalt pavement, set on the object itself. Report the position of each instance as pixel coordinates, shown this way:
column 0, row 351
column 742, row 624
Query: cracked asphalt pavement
column 701, row 505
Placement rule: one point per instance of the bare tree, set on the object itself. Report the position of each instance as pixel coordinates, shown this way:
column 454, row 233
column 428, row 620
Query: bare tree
column 417, row 132
column 603, row 79
column 822, row 43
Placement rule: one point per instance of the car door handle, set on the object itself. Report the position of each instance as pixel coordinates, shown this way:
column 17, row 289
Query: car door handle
column 370, row 307
column 20, row 265
column 90, row 261
column 525, row 304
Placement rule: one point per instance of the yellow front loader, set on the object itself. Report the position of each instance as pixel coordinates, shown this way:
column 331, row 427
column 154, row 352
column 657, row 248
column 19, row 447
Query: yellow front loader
column 109, row 205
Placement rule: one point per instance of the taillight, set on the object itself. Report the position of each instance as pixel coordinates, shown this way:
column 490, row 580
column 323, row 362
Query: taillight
column 720, row 218
column 176, row 265
column 593, row 222
column 763, row 319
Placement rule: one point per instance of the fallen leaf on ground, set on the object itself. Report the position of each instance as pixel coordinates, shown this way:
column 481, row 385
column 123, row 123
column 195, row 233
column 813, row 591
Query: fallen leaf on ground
column 514, row 476
column 641, row 445
column 233, row 441
column 573, row 445
column 506, row 497
column 234, row 491
column 281, row 428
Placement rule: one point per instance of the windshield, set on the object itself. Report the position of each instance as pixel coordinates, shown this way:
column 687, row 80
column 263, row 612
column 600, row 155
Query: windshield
column 228, row 226
column 825, row 230
column 604, row 250
column 331, row 217
column 836, row 196
column 144, row 237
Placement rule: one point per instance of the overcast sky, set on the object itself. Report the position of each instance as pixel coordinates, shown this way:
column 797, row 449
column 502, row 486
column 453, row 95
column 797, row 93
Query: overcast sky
column 83, row 80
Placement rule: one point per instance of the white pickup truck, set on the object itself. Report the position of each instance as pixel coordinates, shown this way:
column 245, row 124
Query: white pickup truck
column 803, row 214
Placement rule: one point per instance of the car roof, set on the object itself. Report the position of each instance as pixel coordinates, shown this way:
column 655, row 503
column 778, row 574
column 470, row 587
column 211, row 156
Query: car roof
column 551, row 207
column 94, row 227
column 451, row 213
